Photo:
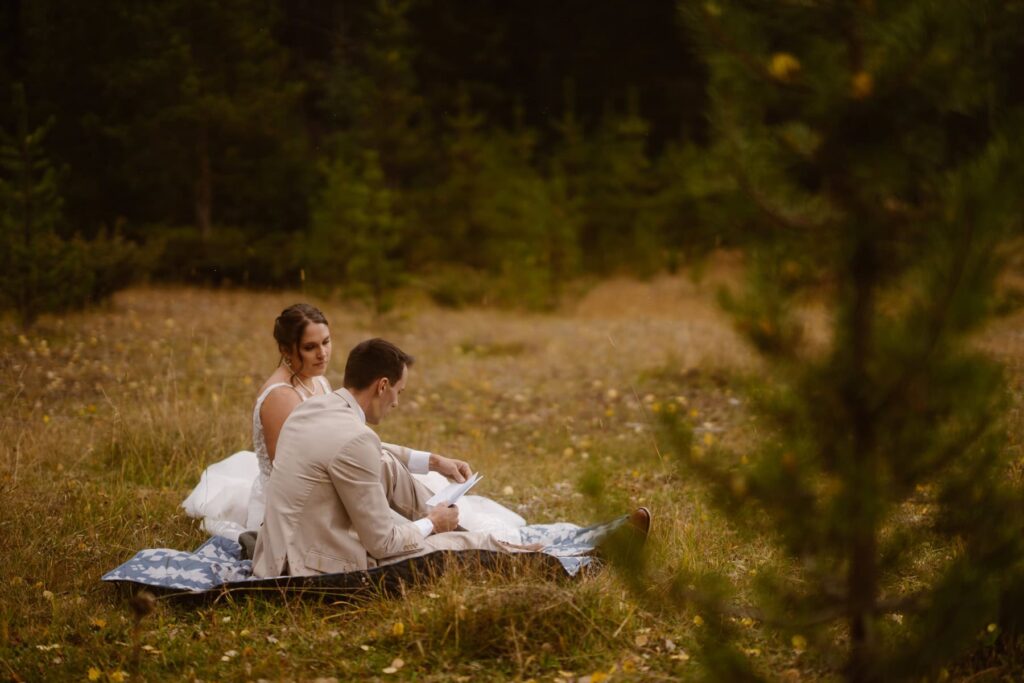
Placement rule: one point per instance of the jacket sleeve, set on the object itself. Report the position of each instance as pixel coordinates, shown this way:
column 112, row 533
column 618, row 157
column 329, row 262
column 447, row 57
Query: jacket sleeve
column 356, row 476
column 401, row 453
column 417, row 462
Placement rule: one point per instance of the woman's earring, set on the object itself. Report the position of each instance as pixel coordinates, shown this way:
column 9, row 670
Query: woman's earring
column 287, row 361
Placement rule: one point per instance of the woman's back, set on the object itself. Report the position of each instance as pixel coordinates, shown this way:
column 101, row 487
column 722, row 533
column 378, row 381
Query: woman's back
column 293, row 396
column 258, row 498
column 259, row 440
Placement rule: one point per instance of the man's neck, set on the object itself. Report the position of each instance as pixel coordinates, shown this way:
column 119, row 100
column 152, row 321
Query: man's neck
column 363, row 399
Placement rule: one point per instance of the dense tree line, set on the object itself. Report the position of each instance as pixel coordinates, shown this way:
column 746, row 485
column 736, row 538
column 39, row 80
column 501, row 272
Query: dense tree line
column 489, row 149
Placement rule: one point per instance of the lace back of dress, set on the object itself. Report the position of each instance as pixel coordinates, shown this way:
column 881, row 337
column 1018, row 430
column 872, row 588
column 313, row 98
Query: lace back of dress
column 259, row 442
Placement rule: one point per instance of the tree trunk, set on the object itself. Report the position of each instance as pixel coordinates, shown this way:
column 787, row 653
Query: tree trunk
column 16, row 42
column 862, row 579
column 27, row 294
column 204, row 183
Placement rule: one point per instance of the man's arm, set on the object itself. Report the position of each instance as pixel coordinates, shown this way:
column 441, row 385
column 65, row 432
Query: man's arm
column 355, row 474
column 421, row 462
column 416, row 461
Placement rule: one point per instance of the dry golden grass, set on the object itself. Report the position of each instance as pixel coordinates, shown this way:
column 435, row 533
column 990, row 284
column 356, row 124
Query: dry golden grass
column 110, row 416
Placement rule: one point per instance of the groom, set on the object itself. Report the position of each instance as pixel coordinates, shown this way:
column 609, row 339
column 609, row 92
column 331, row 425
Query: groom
column 334, row 494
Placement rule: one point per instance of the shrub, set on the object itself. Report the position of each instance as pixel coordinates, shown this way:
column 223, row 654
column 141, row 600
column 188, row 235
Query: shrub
column 228, row 256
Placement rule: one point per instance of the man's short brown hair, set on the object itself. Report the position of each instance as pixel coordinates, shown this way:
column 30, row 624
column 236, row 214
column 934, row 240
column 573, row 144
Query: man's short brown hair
column 372, row 359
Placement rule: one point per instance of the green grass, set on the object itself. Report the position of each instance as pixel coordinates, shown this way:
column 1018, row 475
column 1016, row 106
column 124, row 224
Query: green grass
column 110, row 417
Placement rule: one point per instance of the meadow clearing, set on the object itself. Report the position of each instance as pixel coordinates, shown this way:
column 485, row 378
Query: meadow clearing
column 111, row 415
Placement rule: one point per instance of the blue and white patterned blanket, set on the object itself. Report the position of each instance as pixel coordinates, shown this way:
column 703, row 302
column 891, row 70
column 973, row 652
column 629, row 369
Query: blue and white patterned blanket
column 219, row 561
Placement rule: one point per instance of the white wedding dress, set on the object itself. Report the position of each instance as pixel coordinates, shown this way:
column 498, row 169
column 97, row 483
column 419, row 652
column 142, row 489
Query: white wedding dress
column 231, row 497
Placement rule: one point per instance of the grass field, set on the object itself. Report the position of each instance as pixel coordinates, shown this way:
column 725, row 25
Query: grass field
column 111, row 415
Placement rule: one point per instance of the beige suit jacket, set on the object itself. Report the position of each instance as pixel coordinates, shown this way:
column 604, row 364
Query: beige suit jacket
column 327, row 510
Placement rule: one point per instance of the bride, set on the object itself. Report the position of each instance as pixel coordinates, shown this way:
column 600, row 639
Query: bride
column 230, row 497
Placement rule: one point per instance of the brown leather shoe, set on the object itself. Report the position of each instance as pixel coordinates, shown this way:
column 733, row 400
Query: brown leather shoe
column 640, row 520
column 628, row 539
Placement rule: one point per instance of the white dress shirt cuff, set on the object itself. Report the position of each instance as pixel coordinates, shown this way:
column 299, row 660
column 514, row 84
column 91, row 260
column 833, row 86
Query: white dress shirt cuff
column 425, row 526
column 419, row 461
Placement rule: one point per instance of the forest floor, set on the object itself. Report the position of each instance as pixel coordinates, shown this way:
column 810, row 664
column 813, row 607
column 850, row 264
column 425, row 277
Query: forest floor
column 111, row 415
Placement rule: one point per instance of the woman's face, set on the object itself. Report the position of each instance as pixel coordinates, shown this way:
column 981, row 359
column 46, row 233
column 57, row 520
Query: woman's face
column 314, row 351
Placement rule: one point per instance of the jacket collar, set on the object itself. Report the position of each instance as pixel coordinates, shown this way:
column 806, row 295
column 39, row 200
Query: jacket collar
column 351, row 400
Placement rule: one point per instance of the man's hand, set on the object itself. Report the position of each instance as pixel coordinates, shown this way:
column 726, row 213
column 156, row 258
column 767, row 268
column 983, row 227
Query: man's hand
column 444, row 517
column 457, row 470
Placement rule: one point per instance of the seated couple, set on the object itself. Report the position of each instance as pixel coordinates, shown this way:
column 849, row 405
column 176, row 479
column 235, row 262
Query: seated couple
column 332, row 478
column 338, row 499
column 230, row 497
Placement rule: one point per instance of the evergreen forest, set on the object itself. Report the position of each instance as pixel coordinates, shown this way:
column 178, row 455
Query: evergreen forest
column 488, row 152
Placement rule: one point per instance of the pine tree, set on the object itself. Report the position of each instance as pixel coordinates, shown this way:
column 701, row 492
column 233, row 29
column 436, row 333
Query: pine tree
column 532, row 224
column 373, row 98
column 618, row 232
column 378, row 135
column 357, row 233
column 695, row 208
column 511, row 229
column 458, row 222
column 30, row 210
column 40, row 272
column 878, row 143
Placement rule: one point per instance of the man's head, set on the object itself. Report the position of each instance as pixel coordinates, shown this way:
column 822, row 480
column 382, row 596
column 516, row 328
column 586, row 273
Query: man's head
column 375, row 373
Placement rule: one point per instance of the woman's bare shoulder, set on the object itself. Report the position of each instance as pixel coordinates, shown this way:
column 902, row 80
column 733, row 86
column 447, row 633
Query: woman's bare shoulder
column 279, row 376
column 278, row 404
